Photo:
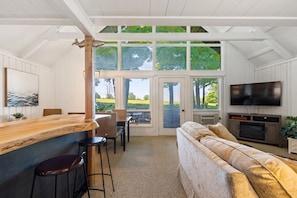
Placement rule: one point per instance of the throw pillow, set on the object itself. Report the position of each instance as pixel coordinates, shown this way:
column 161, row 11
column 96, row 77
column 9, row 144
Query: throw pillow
column 222, row 132
column 196, row 130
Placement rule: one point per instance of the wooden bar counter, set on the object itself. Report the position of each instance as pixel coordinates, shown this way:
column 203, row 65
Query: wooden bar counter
column 25, row 143
column 17, row 134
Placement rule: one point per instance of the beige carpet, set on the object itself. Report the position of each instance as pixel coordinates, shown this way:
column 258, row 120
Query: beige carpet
column 148, row 168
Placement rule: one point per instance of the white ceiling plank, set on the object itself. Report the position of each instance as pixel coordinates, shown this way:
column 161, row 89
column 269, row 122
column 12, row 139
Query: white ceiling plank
column 35, row 21
column 107, row 7
column 10, row 8
column 268, row 7
column 242, row 8
column 225, row 7
column 140, row 7
column 200, row 7
column 175, row 7
column 158, row 8
column 92, row 7
column 290, row 10
column 80, row 18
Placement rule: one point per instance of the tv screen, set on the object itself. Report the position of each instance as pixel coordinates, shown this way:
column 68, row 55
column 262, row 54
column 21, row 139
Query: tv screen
column 266, row 94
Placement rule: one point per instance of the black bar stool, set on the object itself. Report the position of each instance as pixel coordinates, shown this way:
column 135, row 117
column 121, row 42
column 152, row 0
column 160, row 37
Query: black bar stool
column 97, row 141
column 61, row 165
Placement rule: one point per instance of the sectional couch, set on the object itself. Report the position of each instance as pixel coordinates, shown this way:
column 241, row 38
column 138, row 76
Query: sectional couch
column 212, row 164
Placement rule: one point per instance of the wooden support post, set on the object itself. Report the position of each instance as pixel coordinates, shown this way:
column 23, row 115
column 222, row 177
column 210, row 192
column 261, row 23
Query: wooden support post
column 89, row 78
column 89, row 99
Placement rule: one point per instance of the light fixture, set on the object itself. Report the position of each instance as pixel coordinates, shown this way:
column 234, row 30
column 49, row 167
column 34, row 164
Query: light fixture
column 96, row 74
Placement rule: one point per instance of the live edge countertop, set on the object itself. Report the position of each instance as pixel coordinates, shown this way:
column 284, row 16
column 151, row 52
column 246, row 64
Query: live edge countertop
column 18, row 134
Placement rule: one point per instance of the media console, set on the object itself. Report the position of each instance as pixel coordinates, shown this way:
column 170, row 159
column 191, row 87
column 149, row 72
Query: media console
column 262, row 128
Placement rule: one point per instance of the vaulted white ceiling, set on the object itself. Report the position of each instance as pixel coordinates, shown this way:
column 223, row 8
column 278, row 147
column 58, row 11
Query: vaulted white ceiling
column 42, row 31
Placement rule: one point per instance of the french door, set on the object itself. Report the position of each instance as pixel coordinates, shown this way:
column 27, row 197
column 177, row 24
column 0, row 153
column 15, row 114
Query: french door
column 171, row 111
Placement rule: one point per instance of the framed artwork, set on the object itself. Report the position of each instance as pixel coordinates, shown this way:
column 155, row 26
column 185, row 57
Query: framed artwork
column 21, row 88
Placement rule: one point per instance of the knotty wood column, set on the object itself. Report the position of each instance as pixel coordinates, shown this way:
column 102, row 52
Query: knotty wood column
column 89, row 78
column 89, row 99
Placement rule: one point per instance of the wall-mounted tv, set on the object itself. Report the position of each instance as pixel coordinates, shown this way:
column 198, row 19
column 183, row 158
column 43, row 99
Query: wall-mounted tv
column 264, row 93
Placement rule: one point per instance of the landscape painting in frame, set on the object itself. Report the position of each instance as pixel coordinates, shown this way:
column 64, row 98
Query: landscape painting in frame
column 21, row 88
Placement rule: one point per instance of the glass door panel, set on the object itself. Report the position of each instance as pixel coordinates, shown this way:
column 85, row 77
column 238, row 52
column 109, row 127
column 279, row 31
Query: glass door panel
column 171, row 105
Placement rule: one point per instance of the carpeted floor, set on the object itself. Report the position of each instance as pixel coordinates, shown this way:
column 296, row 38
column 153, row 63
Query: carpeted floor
column 148, row 168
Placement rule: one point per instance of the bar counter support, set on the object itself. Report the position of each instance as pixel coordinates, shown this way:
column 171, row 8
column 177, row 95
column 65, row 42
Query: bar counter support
column 26, row 143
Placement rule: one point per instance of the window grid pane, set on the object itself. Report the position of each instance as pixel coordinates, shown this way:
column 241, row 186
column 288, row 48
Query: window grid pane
column 205, row 58
column 104, row 94
column 138, row 99
column 171, row 58
column 136, row 58
column 106, row 58
column 205, row 93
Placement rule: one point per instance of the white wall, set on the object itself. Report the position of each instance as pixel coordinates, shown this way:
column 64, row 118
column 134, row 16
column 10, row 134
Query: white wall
column 46, row 87
column 286, row 73
column 70, row 84
column 237, row 70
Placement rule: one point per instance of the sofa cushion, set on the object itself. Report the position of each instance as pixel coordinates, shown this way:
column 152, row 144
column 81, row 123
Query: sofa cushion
column 222, row 132
column 269, row 176
column 290, row 162
column 196, row 130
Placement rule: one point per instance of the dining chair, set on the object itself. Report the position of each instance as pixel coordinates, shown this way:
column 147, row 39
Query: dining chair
column 47, row 112
column 108, row 126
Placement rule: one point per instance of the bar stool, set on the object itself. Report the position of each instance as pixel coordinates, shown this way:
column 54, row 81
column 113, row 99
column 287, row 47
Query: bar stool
column 61, row 165
column 97, row 141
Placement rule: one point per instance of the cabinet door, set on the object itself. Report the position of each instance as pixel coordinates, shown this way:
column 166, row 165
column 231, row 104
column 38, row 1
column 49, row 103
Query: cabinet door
column 272, row 133
column 233, row 127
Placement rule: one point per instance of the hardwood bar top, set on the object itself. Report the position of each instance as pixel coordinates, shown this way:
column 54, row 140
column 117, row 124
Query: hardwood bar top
column 18, row 134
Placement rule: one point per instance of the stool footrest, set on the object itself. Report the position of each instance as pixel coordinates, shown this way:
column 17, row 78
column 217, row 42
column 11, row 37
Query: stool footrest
column 98, row 189
column 107, row 174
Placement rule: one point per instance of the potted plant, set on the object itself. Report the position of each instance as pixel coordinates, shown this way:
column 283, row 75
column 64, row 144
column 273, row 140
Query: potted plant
column 290, row 128
column 17, row 116
column 289, row 131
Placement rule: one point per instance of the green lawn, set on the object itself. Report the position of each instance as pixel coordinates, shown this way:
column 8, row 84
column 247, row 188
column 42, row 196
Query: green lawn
column 143, row 104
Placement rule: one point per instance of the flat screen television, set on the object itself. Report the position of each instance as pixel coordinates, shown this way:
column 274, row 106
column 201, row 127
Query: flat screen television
column 263, row 94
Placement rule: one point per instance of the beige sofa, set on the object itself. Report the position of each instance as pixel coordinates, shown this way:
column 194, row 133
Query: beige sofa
column 213, row 164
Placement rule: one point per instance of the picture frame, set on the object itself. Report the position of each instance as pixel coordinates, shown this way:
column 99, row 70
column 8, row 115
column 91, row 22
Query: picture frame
column 21, row 88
